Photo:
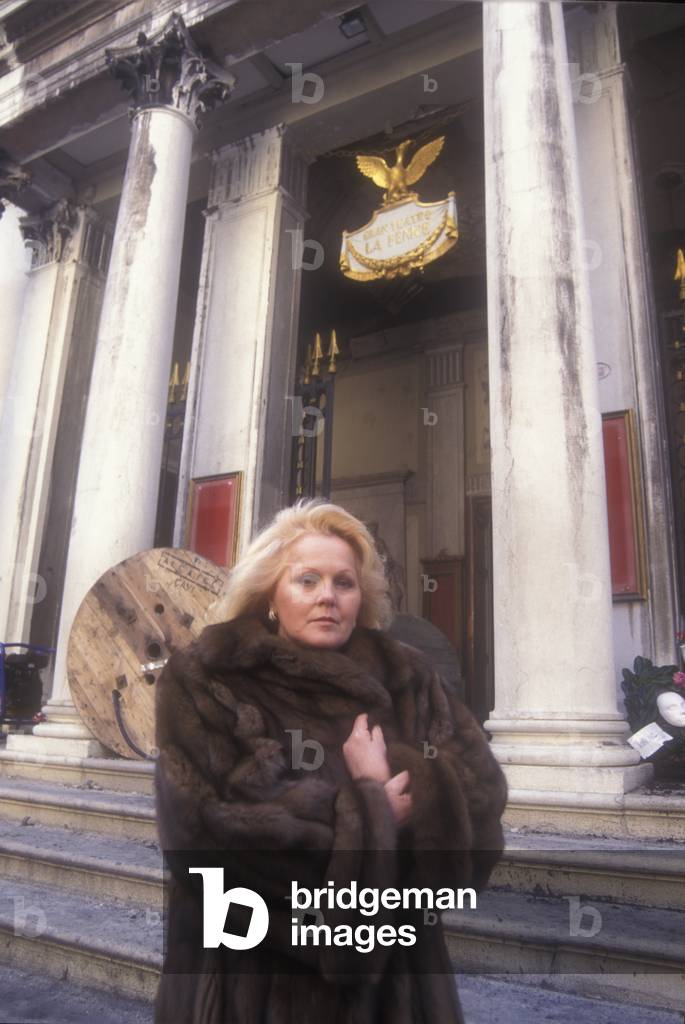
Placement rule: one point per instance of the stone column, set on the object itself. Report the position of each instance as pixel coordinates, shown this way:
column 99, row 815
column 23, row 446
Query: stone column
column 116, row 494
column 240, row 411
column 556, row 725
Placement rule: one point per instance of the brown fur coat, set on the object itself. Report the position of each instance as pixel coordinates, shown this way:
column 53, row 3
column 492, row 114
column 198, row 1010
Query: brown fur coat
column 225, row 780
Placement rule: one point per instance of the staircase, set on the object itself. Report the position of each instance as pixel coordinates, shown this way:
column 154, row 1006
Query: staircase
column 81, row 872
column 598, row 917
column 81, row 899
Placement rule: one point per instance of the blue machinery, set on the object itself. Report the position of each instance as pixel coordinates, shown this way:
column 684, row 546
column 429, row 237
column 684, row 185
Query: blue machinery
column 3, row 679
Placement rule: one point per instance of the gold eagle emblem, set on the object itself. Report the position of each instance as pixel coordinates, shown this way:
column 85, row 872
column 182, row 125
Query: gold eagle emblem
column 397, row 179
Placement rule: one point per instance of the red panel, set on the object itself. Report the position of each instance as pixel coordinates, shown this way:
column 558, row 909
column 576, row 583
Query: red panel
column 620, row 505
column 214, row 517
column 442, row 604
column 443, row 607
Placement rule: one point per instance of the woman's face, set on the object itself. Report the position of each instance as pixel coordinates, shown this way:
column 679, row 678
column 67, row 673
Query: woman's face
column 317, row 596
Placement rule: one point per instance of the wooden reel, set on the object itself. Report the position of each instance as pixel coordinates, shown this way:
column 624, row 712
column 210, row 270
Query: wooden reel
column 126, row 627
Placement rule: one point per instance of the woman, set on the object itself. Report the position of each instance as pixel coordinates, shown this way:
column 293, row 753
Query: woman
column 304, row 743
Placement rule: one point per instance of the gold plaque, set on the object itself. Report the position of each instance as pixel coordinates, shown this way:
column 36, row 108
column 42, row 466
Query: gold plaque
column 404, row 234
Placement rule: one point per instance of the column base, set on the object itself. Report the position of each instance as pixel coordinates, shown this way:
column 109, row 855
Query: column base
column 63, row 734
column 577, row 779
column 573, row 769
column 581, row 756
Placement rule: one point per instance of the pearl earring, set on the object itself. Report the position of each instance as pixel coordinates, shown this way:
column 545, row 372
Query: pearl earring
column 272, row 615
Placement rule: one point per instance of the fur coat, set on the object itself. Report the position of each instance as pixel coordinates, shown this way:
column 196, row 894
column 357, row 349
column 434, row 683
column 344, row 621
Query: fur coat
column 228, row 710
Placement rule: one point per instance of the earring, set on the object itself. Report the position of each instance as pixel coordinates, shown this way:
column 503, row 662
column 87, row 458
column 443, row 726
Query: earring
column 272, row 615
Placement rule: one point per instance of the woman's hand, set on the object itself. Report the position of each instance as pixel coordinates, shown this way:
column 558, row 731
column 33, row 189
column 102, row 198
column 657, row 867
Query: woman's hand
column 400, row 802
column 365, row 752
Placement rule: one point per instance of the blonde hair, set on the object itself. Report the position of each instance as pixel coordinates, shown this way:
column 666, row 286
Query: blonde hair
column 256, row 573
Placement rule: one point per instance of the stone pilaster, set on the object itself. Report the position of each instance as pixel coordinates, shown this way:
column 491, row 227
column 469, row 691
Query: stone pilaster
column 240, row 415
column 556, row 726
column 443, row 420
column 115, row 499
column 623, row 311
column 64, row 285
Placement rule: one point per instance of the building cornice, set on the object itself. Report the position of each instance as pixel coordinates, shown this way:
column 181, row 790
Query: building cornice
column 87, row 61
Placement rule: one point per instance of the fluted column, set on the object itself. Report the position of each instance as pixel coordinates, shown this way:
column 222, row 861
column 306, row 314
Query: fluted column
column 556, row 726
column 116, row 494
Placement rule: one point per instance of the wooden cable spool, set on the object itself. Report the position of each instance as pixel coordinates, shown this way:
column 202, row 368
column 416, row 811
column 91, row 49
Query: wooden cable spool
column 126, row 627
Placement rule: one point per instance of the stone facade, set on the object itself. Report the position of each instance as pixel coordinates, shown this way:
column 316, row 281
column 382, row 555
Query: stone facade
column 226, row 120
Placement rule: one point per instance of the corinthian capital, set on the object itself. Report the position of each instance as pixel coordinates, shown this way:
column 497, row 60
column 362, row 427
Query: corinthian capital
column 167, row 70
column 47, row 233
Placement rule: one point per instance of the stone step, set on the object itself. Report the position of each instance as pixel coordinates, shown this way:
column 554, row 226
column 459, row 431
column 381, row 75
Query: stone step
column 637, row 872
column 82, row 862
column 45, row 939
column 650, row 812
column 111, row 773
column 625, row 953
column 37, row 998
column 126, row 815
column 57, row 840
column 104, row 943
column 487, row 999
column 32, row 997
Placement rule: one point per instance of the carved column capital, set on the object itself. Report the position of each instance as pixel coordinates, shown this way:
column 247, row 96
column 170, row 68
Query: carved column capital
column 47, row 233
column 12, row 179
column 167, row 70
